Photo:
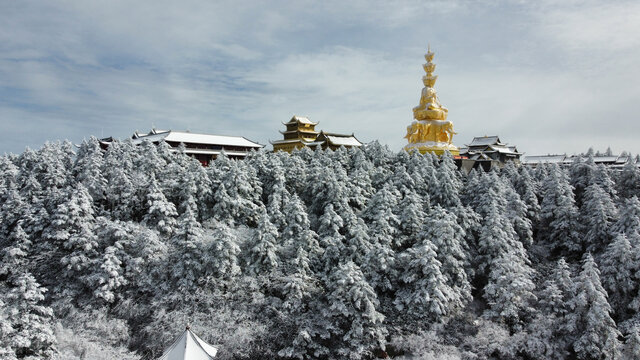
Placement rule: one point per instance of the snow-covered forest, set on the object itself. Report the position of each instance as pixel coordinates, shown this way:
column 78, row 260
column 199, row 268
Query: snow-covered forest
column 329, row 255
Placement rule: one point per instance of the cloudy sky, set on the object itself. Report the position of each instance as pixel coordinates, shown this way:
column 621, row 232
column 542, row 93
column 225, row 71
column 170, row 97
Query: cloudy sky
column 548, row 78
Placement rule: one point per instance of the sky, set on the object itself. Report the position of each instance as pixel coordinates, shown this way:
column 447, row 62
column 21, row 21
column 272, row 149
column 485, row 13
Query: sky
column 546, row 76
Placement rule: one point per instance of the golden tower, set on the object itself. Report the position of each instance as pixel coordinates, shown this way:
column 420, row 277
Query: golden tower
column 430, row 130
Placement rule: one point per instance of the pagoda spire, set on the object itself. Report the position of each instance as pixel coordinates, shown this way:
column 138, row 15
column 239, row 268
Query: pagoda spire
column 430, row 131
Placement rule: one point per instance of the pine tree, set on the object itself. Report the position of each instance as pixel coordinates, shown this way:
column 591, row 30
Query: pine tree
column 597, row 212
column 425, row 293
column 628, row 222
column 263, row 250
column 628, row 183
column 559, row 214
column 71, row 233
column 355, row 324
column 188, row 258
column 632, row 345
column 442, row 229
column 597, row 332
column 297, row 233
column 619, row 266
column 161, row 213
column 31, row 323
column 88, row 166
column 445, row 191
column 509, row 290
column 224, row 251
column 330, row 237
column 411, row 219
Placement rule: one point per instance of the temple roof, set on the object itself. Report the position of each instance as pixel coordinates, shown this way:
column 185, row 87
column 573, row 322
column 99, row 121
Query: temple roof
column 195, row 138
column 301, row 120
column 340, row 139
column 485, row 140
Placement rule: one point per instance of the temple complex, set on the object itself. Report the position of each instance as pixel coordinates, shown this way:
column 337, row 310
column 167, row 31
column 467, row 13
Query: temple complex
column 430, row 131
column 301, row 133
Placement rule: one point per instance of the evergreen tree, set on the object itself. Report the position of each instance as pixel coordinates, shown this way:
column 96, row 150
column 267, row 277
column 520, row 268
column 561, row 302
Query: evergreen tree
column 425, row 293
column 632, row 345
column 446, row 190
column 31, row 321
column 628, row 183
column 559, row 214
column 331, row 240
column 597, row 212
column 596, row 331
column 223, row 251
column 509, row 290
column 88, row 167
column 161, row 213
column 619, row 268
column 442, row 229
column 297, row 233
column 355, row 324
column 263, row 250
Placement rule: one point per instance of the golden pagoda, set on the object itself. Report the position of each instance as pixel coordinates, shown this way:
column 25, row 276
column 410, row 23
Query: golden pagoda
column 430, row 131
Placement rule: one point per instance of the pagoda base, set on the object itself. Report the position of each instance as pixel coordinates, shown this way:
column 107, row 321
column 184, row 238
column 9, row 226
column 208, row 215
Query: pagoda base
column 437, row 148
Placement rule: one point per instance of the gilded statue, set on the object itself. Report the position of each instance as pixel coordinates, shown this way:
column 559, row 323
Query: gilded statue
column 430, row 131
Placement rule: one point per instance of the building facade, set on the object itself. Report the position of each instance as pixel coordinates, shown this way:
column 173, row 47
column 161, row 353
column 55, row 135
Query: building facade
column 300, row 133
column 203, row 147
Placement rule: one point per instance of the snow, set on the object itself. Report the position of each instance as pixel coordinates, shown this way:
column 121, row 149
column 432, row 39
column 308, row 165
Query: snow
column 343, row 141
column 195, row 138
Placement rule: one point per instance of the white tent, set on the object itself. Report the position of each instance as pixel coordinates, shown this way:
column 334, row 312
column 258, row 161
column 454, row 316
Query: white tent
column 189, row 347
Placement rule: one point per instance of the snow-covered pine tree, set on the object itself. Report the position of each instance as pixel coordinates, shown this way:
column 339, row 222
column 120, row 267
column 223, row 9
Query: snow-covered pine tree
column 597, row 334
column 263, row 247
column 187, row 260
column 161, row 213
column 559, row 224
column 445, row 191
column 628, row 221
column 411, row 218
column 223, row 252
column 424, row 294
column 628, row 182
column 88, row 167
column 442, row 229
column 27, row 326
column 330, row 237
column 632, row 344
column 509, row 289
column 620, row 264
column 297, row 233
column 355, row 324
column 597, row 212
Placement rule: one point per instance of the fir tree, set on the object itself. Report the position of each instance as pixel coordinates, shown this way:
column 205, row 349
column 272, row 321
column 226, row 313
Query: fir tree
column 355, row 324
column 263, row 250
column 161, row 213
column 597, row 212
column 596, row 331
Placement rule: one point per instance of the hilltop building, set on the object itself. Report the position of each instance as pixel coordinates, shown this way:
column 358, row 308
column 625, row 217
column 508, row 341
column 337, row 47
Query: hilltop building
column 203, row 147
column 487, row 152
column 301, row 133
column 430, row 130
column 613, row 161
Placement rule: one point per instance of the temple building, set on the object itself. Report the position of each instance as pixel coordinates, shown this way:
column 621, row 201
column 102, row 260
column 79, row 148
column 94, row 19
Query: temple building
column 301, row 133
column 488, row 152
column 203, row 147
column 430, row 130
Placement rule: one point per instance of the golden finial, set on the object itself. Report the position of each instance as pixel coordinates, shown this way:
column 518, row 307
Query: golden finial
column 429, row 55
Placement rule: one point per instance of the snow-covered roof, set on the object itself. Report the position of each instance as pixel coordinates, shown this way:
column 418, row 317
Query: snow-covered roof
column 189, row 347
column 485, row 140
column 539, row 159
column 300, row 119
column 348, row 140
column 503, row 149
column 195, row 138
